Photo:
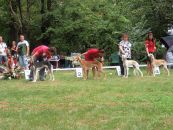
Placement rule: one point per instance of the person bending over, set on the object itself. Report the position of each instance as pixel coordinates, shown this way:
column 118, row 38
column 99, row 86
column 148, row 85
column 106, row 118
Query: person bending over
column 39, row 54
column 94, row 54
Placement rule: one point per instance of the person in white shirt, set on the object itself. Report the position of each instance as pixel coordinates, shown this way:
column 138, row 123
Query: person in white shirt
column 124, row 49
column 3, row 51
column 23, row 52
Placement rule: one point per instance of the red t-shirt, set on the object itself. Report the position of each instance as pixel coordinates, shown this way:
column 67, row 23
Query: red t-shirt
column 92, row 54
column 150, row 44
column 41, row 50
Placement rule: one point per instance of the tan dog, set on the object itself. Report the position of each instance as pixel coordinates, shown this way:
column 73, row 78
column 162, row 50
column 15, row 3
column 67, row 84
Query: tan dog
column 127, row 63
column 157, row 63
column 86, row 65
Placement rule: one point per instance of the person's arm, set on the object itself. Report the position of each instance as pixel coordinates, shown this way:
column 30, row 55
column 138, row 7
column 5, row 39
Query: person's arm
column 84, row 53
column 154, row 45
column 17, row 48
column 33, row 57
column 27, row 49
column 121, row 49
column 6, row 49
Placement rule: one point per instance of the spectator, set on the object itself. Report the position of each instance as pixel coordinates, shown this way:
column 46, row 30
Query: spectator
column 124, row 49
column 3, row 51
column 150, row 46
column 14, row 52
column 23, row 52
column 13, row 49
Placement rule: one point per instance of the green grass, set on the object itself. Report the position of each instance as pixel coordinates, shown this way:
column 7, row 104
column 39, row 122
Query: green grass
column 70, row 103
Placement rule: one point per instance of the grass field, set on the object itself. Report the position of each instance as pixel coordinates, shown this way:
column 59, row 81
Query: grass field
column 70, row 103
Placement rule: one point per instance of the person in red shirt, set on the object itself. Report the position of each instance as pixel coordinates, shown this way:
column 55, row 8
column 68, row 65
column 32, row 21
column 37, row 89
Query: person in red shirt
column 40, row 54
column 150, row 46
column 92, row 55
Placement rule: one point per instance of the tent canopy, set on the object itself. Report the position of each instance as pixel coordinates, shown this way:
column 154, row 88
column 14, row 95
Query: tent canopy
column 167, row 41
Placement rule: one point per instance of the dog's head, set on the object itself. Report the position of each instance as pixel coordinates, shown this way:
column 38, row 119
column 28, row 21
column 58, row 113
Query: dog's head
column 76, row 58
column 151, row 56
column 124, row 57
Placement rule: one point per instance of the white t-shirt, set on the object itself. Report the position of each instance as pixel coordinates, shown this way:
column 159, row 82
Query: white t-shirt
column 23, row 43
column 22, row 46
column 3, row 47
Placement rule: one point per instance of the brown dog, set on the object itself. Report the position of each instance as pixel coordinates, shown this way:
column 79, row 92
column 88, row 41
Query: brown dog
column 86, row 65
column 157, row 63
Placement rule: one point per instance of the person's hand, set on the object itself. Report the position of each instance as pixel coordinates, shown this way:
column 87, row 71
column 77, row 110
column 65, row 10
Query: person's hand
column 154, row 48
column 123, row 52
column 27, row 55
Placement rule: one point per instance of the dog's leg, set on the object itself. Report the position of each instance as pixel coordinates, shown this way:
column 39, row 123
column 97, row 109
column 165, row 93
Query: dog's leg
column 166, row 69
column 100, row 70
column 49, row 72
column 87, row 73
column 149, row 69
column 35, row 73
column 153, row 69
column 104, row 74
column 141, row 74
column 53, row 77
column 134, row 72
column 84, row 74
column 127, row 72
column 94, row 72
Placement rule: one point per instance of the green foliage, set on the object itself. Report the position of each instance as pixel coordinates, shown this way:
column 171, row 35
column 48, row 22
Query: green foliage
column 76, row 25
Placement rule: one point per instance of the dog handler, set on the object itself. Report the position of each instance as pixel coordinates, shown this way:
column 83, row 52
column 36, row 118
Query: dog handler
column 94, row 54
column 124, row 49
column 39, row 54
column 150, row 46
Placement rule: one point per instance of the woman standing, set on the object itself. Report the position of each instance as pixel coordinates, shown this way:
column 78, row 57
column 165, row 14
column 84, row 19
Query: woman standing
column 150, row 46
column 124, row 49
column 14, row 52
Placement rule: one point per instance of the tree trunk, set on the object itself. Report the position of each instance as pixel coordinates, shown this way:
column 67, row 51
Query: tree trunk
column 13, row 24
column 21, row 16
column 45, row 22
column 49, row 5
column 28, row 8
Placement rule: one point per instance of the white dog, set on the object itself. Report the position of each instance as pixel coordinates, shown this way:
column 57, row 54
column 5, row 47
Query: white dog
column 128, row 63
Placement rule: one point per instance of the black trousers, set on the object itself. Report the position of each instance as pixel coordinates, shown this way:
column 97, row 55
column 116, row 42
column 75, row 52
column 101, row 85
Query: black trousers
column 121, row 65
